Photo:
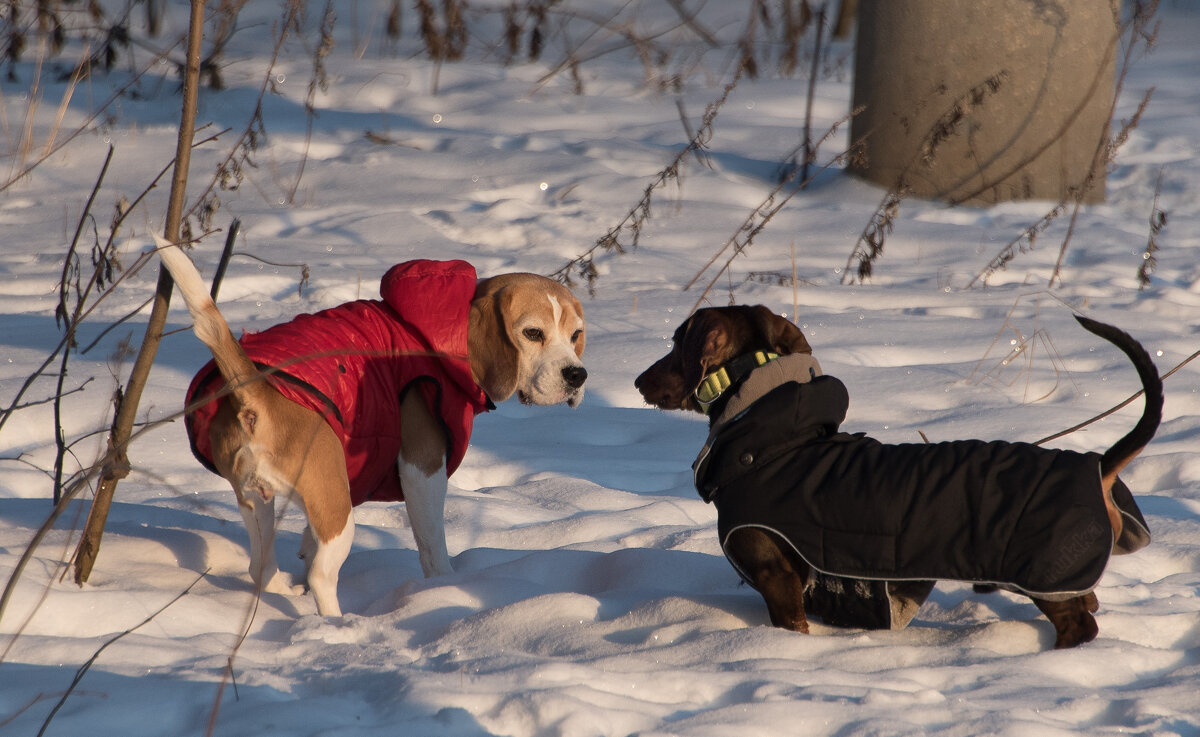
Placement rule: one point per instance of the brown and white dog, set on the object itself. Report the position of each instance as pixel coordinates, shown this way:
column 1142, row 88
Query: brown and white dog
column 525, row 336
column 709, row 370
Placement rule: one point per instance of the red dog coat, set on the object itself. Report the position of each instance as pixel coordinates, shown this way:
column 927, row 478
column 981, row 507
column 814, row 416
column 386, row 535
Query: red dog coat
column 352, row 364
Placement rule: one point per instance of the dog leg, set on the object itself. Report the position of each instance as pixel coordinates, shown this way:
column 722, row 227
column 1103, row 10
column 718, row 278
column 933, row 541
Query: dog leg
column 1072, row 619
column 422, row 465
column 1114, row 515
column 777, row 573
column 425, row 497
column 327, row 540
column 259, row 516
column 324, row 561
column 308, row 549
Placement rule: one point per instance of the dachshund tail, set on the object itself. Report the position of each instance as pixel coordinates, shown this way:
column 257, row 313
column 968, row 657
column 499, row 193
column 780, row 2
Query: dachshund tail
column 1128, row 447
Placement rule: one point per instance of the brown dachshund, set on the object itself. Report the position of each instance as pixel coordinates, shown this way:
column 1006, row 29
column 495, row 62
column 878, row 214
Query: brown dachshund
column 817, row 518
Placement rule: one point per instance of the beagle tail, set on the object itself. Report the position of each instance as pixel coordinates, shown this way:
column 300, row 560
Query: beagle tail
column 1127, row 448
column 210, row 327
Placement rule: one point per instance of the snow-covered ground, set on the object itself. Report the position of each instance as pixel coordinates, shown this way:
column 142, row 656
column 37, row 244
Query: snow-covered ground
column 590, row 597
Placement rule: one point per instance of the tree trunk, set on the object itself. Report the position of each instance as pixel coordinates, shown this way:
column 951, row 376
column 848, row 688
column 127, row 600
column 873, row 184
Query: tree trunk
column 981, row 101
column 116, row 462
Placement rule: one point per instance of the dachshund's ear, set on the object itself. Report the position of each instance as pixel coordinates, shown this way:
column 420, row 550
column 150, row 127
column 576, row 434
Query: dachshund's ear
column 784, row 337
column 494, row 358
column 705, row 343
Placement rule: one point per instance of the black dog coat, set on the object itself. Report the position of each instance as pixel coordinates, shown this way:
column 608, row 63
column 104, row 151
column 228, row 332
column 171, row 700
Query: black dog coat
column 879, row 523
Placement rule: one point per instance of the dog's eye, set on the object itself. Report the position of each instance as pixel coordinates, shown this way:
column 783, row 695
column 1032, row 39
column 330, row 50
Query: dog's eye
column 534, row 334
column 575, row 336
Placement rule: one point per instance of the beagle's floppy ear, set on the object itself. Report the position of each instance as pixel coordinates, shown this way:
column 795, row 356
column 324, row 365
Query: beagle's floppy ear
column 578, row 307
column 494, row 357
column 705, row 343
column 785, row 338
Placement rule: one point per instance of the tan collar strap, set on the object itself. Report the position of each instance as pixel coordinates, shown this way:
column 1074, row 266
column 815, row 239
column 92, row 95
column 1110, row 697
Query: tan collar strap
column 728, row 374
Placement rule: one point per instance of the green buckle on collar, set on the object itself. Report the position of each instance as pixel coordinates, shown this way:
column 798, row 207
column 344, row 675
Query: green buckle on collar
column 715, row 384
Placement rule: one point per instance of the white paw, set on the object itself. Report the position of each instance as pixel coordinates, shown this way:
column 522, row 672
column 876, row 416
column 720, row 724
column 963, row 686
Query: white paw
column 282, row 583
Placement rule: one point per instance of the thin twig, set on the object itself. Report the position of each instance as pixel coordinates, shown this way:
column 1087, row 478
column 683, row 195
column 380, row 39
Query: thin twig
column 1158, row 223
column 870, row 243
column 317, row 82
column 73, row 320
column 227, row 674
column 758, row 218
column 50, row 399
column 116, row 324
column 83, row 669
column 78, row 482
column 1106, row 149
column 809, row 151
column 689, row 20
column 15, row 632
column 1108, row 412
column 86, row 125
column 636, row 217
column 226, row 253
column 69, row 336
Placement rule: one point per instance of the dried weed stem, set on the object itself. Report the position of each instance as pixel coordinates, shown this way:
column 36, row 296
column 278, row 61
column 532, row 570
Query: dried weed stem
column 583, row 265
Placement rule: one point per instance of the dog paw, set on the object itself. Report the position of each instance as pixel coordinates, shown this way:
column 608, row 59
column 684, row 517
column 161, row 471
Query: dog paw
column 1072, row 619
column 282, row 583
column 1078, row 631
column 789, row 620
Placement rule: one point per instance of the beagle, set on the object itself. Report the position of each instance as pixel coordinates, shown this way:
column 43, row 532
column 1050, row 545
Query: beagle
column 372, row 400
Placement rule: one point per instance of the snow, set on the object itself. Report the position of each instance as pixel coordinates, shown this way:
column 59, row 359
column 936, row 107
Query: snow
column 590, row 596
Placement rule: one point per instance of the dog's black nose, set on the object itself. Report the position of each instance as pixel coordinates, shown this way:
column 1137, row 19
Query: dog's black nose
column 574, row 376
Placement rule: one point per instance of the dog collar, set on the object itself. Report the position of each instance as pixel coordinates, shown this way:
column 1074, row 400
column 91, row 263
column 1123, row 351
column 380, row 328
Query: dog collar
column 728, row 374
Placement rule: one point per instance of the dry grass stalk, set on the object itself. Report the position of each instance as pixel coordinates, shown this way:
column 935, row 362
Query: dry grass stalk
column 25, row 146
column 1158, row 223
column 104, row 263
column 784, row 190
column 870, row 244
column 68, row 93
column 1025, row 241
column 513, row 30
column 318, row 82
column 875, row 234
column 809, row 152
column 583, row 265
column 1117, row 407
column 537, row 36
column 445, row 38
column 395, row 21
column 748, row 42
column 1143, row 32
column 22, row 169
column 230, row 172
column 1142, row 35
column 795, row 24
column 83, row 669
column 1021, row 349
